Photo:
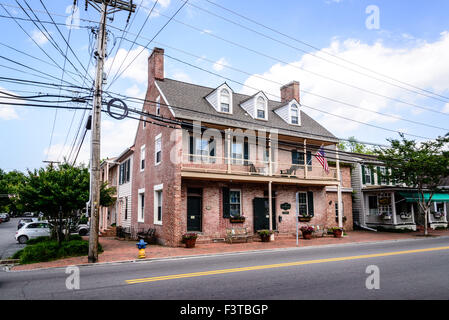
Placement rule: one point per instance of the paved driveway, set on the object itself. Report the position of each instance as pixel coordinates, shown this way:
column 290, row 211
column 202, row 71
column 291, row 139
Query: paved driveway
column 8, row 245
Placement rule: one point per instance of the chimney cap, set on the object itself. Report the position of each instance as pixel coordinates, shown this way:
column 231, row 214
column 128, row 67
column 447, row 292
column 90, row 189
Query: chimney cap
column 294, row 82
column 156, row 50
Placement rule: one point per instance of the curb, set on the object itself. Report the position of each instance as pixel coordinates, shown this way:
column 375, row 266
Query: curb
column 102, row 264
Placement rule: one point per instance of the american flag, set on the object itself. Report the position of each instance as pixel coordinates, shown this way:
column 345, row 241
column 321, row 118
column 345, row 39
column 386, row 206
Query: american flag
column 321, row 157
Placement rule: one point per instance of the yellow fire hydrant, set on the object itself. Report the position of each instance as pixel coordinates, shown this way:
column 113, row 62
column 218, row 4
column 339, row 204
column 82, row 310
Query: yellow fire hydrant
column 141, row 245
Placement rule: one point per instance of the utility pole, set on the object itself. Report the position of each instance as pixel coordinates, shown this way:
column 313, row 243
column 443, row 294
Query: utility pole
column 100, row 54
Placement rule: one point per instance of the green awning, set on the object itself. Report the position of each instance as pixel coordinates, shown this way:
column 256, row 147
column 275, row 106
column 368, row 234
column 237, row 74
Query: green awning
column 415, row 197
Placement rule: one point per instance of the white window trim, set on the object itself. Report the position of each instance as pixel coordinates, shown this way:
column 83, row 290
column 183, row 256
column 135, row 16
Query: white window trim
column 307, row 201
column 265, row 107
column 142, row 157
column 158, row 188
column 290, row 107
column 240, row 192
column 140, row 214
column 230, row 100
column 159, row 136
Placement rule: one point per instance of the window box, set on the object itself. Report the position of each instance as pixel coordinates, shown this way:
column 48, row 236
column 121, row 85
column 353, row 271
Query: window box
column 237, row 219
column 304, row 218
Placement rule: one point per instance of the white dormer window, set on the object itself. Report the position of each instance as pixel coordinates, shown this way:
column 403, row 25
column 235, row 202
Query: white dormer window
column 224, row 100
column 294, row 114
column 261, row 108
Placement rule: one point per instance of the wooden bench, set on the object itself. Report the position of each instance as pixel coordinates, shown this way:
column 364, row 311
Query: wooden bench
column 237, row 234
column 320, row 231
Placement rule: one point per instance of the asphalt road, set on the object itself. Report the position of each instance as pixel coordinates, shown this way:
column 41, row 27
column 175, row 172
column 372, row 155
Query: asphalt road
column 9, row 245
column 409, row 269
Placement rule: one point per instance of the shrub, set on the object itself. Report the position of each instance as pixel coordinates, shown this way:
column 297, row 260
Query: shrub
column 264, row 233
column 47, row 250
column 189, row 236
column 37, row 240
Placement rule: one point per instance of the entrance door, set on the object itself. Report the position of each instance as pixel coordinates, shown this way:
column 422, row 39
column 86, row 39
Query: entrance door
column 261, row 214
column 194, row 213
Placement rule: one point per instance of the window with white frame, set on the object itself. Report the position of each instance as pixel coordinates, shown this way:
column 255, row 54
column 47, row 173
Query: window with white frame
column 225, row 100
column 158, row 105
column 294, row 114
column 302, row 204
column 235, row 203
column 237, row 152
column 202, row 147
column 142, row 158
column 158, row 204
column 158, row 149
column 367, row 175
column 141, row 205
column 261, row 108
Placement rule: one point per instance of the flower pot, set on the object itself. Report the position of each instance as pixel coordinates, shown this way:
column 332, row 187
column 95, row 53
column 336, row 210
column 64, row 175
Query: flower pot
column 265, row 238
column 338, row 233
column 307, row 235
column 190, row 243
column 304, row 219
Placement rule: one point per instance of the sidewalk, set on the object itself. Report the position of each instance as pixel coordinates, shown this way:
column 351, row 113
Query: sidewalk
column 120, row 250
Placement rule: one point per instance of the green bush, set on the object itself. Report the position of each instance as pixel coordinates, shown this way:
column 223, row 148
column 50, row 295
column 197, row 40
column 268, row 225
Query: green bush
column 47, row 250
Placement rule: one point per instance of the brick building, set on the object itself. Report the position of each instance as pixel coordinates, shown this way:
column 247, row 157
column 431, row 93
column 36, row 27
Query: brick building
column 223, row 157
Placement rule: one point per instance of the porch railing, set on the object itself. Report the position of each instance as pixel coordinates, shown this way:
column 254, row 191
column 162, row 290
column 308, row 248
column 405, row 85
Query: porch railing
column 251, row 167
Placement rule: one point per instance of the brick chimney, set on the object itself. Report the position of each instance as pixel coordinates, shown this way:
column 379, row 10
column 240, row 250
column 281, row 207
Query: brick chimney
column 290, row 91
column 156, row 65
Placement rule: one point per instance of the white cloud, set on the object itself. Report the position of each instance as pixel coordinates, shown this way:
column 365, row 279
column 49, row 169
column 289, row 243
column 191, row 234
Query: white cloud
column 7, row 112
column 446, row 108
column 135, row 69
column 116, row 136
column 220, row 64
column 425, row 65
column 40, row 37
column 181, row 76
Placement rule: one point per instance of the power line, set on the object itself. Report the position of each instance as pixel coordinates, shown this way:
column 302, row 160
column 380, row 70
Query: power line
column 318, row 49
column 304, row 91
column 157, row 33
column 303, row 69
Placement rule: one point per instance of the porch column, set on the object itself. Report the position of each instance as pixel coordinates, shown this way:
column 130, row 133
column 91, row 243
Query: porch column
column 270, row 164
column 228, row 142
column 393, row 208
column 270, row 208
column 305, row 159
column 339, row 198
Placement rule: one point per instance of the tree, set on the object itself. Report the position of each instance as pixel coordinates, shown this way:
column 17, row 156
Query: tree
column 60, row 193
column 421, row 165
column 9, row 182
column 353, row 146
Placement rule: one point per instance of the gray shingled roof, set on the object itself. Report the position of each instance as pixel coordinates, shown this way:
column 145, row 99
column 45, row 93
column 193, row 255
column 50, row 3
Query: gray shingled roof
column 188, row 102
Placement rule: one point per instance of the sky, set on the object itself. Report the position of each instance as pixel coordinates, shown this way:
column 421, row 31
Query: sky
column 355, row 60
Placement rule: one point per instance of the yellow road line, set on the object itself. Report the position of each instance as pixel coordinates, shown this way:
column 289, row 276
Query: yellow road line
column 280, row 265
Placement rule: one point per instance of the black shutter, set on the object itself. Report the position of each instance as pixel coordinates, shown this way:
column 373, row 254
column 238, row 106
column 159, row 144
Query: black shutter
column 120, row 174
column 379, row 176
column 128, row 165
column 191, row 147
column 363, row 174
column 295, row 157
column 310, row 203
column 226, row 207
column 246, row 151
column 212, row 150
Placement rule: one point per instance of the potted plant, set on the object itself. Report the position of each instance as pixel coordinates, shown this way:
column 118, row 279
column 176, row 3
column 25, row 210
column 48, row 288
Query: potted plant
column 337, row 231
column 265, row 235
column 304, row 218
column 189, row 239
column 237, row 219
column 307, row 232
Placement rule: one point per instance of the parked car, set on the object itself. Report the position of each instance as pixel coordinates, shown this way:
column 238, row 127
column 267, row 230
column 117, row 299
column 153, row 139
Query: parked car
column 33, row 230
column 83, row 229
column 23, row 221
column 4, row 217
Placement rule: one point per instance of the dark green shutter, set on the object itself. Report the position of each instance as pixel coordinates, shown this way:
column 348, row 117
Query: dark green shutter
column 363, row 175
column 379, row 176
column 226, row 207
column 246, row 151
column 295, row 157
column 372, row 174
column 310, row 203
column 212, row 150
column 128, row 166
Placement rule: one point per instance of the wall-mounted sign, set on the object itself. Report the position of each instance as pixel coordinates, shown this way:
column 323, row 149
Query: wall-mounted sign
column 286, row 206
